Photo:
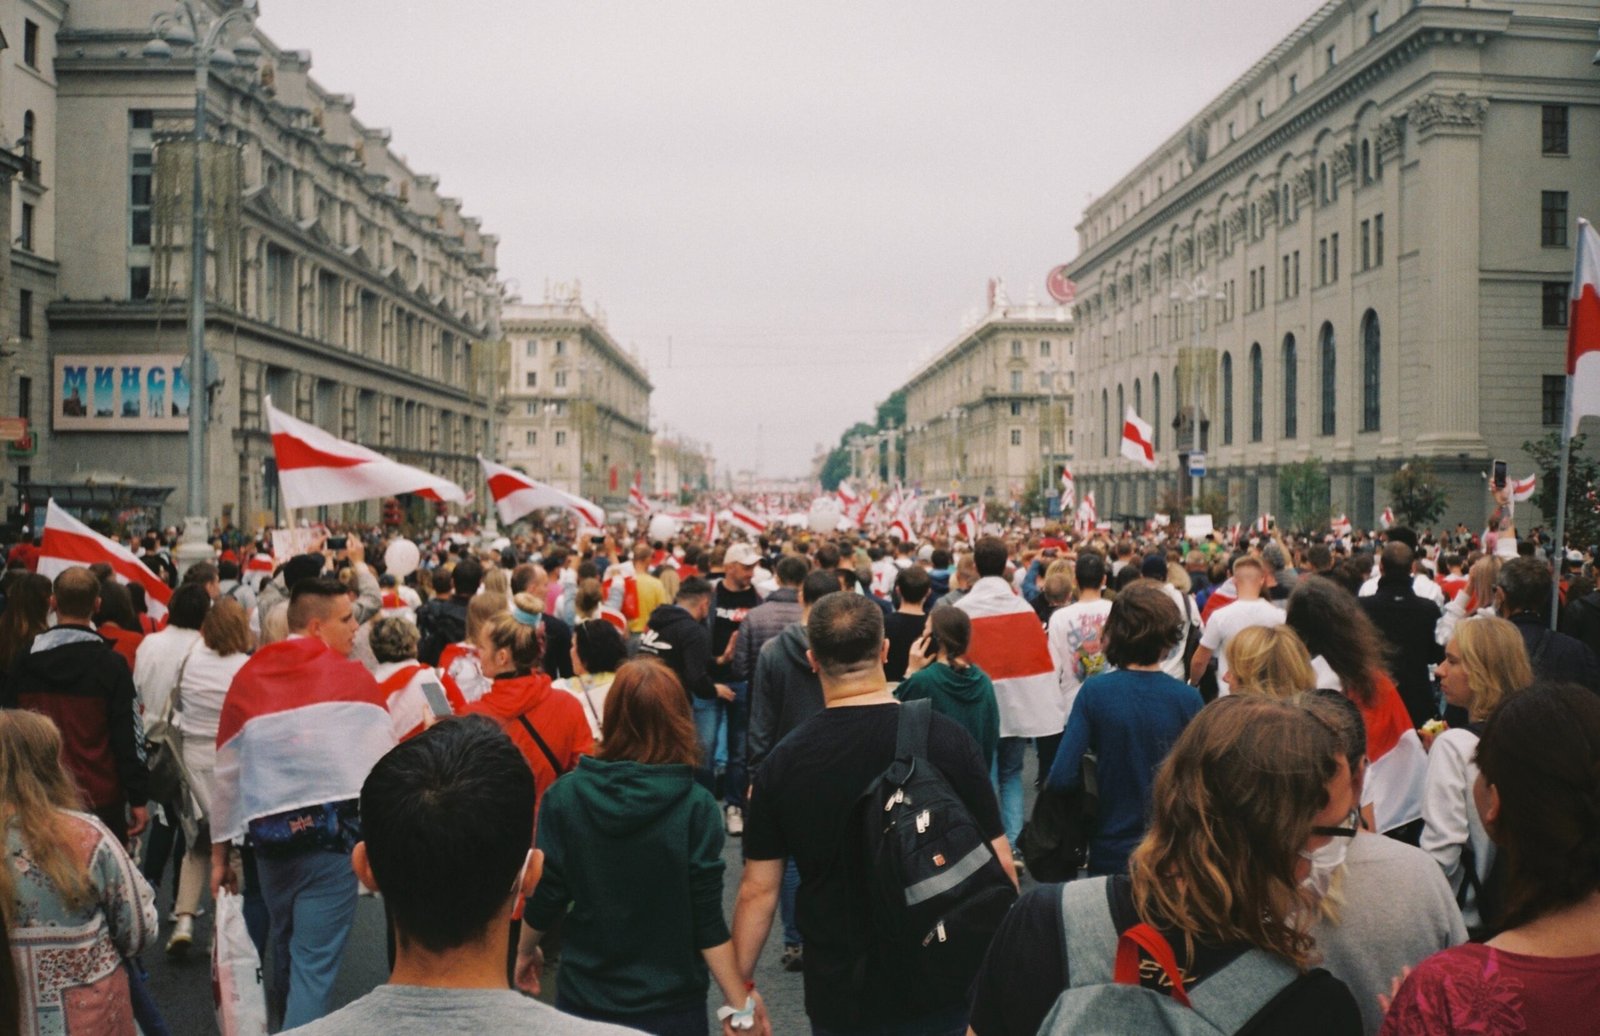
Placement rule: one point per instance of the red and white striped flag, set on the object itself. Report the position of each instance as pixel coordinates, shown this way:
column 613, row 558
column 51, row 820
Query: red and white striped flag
column 712, row 530
column 1525, row 489
column 315, row 468
column 1088, row 517
column 68, row 543
column 1264, row 523
column 967, row 527
column 1341, row 526
column 1386, row 519
column 515, row 495
column 1068, row 489
column 636, row 497
column 747, row 519
column 847, row 496
column 1009, row 645
column 901, row 531
column 1583, row 328
column 1138, row 440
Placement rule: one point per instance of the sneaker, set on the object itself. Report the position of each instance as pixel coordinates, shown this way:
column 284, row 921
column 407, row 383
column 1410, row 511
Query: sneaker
column 793, row 958
column 735, row 818
column 182, row 938
column 172, row 918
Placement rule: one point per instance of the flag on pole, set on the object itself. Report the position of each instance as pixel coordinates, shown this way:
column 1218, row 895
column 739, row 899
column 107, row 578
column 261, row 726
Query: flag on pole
column 901, row 531
column 968, row 527
column 747, row 519
column 316, row 468
column 636, row 498
column 711, row 522
column 68, row 543
column 1138, row 442
column 1525, row 489
column 1386, row 519
column 1068, row 489
column 1088, row 517
column 1264, row 523
column 515, row 495
column 1583, row 329
column 1341, row 526
column 847, row 496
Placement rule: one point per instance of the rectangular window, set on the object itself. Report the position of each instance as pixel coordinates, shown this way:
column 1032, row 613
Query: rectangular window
column 1044, row 382
column 1016, row 348
column 1294, row 84
column 1044, row 350
column 30, row 44
column 1333, row 56
column 1333, row 257
column 1557, row 301
column 1016, row 408
column 1372, row 24
column 1366, row 244
column 1554, row 137
column 533, row 379
column 533, row 438
column 1016, row 381
column 561, row 379
column 1297, row 271
column 25, row 231
column 25, row 398
column 1377, row 240
column 1552, row 219
column 1252, row 291
column 1322, row 261
column 561, row 347
column 25, row 314
column 138, row 282
column 1553, row 398
column 1284, row 283
column 531, row 349
column 1016, row 436
column 561, row 438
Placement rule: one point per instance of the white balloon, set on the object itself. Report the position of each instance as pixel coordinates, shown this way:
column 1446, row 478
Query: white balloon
column 401, row 558
column 824, row 516
column 662, row 528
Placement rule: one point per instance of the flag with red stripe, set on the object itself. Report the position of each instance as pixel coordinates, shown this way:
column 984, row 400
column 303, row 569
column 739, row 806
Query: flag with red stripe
column 316, row 468
column 1525, row 489
column 68, row 543
column 747, row 519
column 1138, row 440
column 712, row 530
column 1583, row 328
column 516, row 495
column 1009, row 645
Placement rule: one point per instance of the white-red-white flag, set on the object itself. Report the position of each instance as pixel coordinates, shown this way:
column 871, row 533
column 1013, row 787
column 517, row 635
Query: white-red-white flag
column 1386, row 519
column 1583, row 328
column 847, row 496
column 636, row 498
column 747, row 519
column 516, row 495
column 968, row 527
column 712, row 530
column 315, row 468
column 1525, row 489
column 900, row 530
column 1264, row 523
column 1088, row 517
column 68, row 543
column 1138, row 440
column 1069, row 489
column 1341, row 526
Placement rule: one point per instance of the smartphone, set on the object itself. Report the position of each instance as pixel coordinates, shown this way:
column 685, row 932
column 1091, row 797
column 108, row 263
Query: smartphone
column 436, row 699
column 1499, row 477
column 338, row 542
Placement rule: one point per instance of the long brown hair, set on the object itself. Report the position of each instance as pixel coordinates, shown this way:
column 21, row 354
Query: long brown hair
column 26, row 616
column 226, row 628
column 34, row 789
column 1232, row 806
column 647, row 718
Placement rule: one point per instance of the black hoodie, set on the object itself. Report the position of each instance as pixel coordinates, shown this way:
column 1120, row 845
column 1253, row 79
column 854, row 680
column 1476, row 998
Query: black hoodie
column 684, row 644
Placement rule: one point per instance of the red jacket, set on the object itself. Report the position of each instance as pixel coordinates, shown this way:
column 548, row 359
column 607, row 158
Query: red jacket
column 558, row 717
column 126, row 642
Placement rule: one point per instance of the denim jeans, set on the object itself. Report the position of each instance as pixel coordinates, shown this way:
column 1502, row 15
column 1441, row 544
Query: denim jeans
column 1008, row 785
column 311, row 905
column 707, row 720
column 786, row 894
column 737, row 713
column 945, row 1023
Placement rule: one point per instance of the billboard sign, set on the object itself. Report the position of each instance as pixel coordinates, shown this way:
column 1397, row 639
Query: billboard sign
column 120, row 393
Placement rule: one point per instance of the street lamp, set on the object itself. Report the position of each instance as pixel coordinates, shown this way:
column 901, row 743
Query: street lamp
column 191, row 25
column 1198, row 296
column 496, row 294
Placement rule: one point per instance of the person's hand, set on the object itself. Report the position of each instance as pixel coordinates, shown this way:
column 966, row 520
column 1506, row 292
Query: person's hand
column 922, row 654
column 530, row 970
column 1385, row 999
column 1501, row 494
column 725, row 692
column 763, row 1023
column 223, row 877
column 356, row 550
column 141, row 820
column 727, row 652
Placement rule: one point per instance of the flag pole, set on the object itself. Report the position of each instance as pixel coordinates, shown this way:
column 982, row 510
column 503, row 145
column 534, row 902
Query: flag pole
column 1560, row 552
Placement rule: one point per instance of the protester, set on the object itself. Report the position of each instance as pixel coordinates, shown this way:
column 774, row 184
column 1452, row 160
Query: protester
column 155, row 670
column 771, row 617
column 1539, row 795
column 116, row 621
column 679, row 634
column 71, row 901
column 401, row 678
column 1129, row 717
column 1476, row 598
column 443, row 620
column 1523, row 596
column 26, row 615
column 1238, row 808
column 734, row 597
column 1268, row 660
column 633, row 862
column 1484, row 663
column 447, row 823
column 941, row 673
column 1248, row 608
column 907, row 623
column 598, row 651
column 1076, row 641
column 1407, row 622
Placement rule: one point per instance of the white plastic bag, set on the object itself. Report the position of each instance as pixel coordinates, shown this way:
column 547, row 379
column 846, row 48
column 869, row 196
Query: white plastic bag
column 236, row 972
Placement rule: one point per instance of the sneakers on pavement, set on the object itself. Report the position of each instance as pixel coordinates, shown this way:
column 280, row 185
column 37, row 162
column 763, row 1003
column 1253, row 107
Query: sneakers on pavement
column 182, row 938
column 735, row 818
column 793, row 958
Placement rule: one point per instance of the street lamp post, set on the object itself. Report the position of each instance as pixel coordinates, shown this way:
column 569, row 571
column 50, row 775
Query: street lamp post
column 191, row 25
column 496, row 294
column 1197, row 296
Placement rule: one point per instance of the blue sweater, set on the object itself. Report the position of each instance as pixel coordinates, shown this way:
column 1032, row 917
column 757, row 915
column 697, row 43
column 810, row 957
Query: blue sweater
column 1130, row 720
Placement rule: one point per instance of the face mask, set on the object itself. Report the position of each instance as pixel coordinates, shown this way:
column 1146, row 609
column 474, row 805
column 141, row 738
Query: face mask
column 1325, row 863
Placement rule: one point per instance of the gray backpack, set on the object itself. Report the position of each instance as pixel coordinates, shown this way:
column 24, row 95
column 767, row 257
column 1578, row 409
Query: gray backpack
column 1103, row 993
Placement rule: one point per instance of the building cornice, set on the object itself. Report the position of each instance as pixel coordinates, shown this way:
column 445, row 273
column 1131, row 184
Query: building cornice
column 972, row 337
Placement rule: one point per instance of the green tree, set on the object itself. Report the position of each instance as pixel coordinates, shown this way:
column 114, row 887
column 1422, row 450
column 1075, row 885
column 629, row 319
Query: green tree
column 1583, row 480
column 1417, row 494
column 1303, row 496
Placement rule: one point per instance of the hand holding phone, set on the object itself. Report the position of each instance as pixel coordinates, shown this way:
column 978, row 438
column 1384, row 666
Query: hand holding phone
column 436, row 699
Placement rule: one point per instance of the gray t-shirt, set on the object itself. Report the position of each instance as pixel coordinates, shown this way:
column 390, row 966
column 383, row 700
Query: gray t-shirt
column 420, row 1011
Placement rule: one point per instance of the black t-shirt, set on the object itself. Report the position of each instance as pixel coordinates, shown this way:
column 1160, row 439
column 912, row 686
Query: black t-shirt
column 1024, row 974
column 902, row 631
column 801, row 807
column 728, row 609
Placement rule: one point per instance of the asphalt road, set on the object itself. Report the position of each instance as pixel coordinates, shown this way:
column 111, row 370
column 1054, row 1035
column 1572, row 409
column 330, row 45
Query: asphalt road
column 183, row 988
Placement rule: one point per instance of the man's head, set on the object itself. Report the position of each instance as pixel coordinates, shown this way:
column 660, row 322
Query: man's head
column 1524, row 586
column 939, row 558
column 827, row 556
column 818, row 585
column 1319, row 557
column 847, row 645
column 188, row 606
column 1402, row 534
column 1090, row 570
column 989, row 554
column 522, row 578
column 694, row 597
column 321, row 609
column 1395, row 561
column 913, row 584
column 466, row 577
column 966, row 573
column 205, row 574
column 739, row 565
column 75, row 595
column 1249, row 576
column 446, row 819
column 792, row 570
column 642, row 554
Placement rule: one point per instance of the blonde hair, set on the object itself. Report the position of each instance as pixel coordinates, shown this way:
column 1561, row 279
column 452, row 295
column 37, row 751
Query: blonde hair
column 1481, row 580
column 497, row 581
column 670, row 581
column 1269, row 660
column 1496, row 660
column 482, row 608
column 34, row 789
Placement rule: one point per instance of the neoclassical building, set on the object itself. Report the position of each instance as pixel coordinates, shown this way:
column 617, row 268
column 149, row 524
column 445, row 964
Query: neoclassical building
column 1369, row 236
column 578, row 404
column 992, row 413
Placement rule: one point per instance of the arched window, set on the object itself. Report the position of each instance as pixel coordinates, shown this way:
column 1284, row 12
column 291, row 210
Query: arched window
column 1371, row 372
column 1122, row 409
column 1138, row 397
column 1105, row 424
column 1329, row 364
column 1291, row 389
column 1322, row 183
column 1256, row 391
column 1283, row 206
column 1227, row 399
column 1155, row 414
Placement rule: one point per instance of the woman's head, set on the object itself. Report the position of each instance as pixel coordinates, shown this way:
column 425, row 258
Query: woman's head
column 647, row 717
column 597, row 647
column 226, row 628
column 1268, row 660
column 1481, row 580
column 1538, row 792
column 34, row 786
column 1142, row 626
column 589, row 596
column 394, row 639
column 481, row 609
column 497, row 581
column 1485, row 660
column 1330, row 622
column 506, row 645
column 26, row 616
column 116, row 606
column 1233, row 809
column 951, row 630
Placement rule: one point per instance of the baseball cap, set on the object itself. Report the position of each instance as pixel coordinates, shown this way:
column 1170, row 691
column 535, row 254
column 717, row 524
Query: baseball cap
column 742, row 554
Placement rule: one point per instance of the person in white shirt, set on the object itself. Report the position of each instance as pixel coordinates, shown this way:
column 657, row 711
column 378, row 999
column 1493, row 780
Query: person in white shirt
column 1250, row 609
column 1155, row 566
column 1420, row 583
column 155, row 667
column 1076, row 647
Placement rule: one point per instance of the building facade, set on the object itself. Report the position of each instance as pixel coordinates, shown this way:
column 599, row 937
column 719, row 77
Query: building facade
column 340, row 282
column 680, row 465
column 1375, row 224
column 992, row 414
column 577, row 405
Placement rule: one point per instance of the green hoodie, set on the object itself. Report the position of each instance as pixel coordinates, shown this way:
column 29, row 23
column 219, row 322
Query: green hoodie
column 966, row 695
column 634, row 850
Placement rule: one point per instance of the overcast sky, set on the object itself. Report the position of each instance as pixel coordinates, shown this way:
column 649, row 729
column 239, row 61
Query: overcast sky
column 784, row 206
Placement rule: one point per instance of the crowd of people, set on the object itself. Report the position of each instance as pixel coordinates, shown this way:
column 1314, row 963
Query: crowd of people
column 1323, row 785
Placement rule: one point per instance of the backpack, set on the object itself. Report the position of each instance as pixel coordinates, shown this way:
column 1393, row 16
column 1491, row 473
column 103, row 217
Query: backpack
column 1191, row 642
column 446, row 625
column 1103, row 993
column 935, row 891
column 1055, row 840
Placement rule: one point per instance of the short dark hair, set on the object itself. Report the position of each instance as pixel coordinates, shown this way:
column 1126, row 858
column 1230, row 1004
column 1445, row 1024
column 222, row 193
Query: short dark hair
column 466, row 576
column 227, row 569
column 600, row 646
column 188, row 605
column 846, row 633
column 447, row 818
column 1395, row 559
column 989, row 555
column 792, row 569
column 310, row 598
column 693, row 588
column 1319, row 557
column 1526, row 584
column 827, row 556
column 76, row 590
column 818, row 585
column 952, row 628
column 913, row 582
column 440, row 581
column 201, row 572
column 1090, row 570
column 940, row 558
column 1142, row 626
column 1402, row 534
column 522, row 577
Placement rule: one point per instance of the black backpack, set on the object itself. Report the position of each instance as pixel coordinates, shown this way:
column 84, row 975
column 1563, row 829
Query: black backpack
column 935, row 891
column 446, row 625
